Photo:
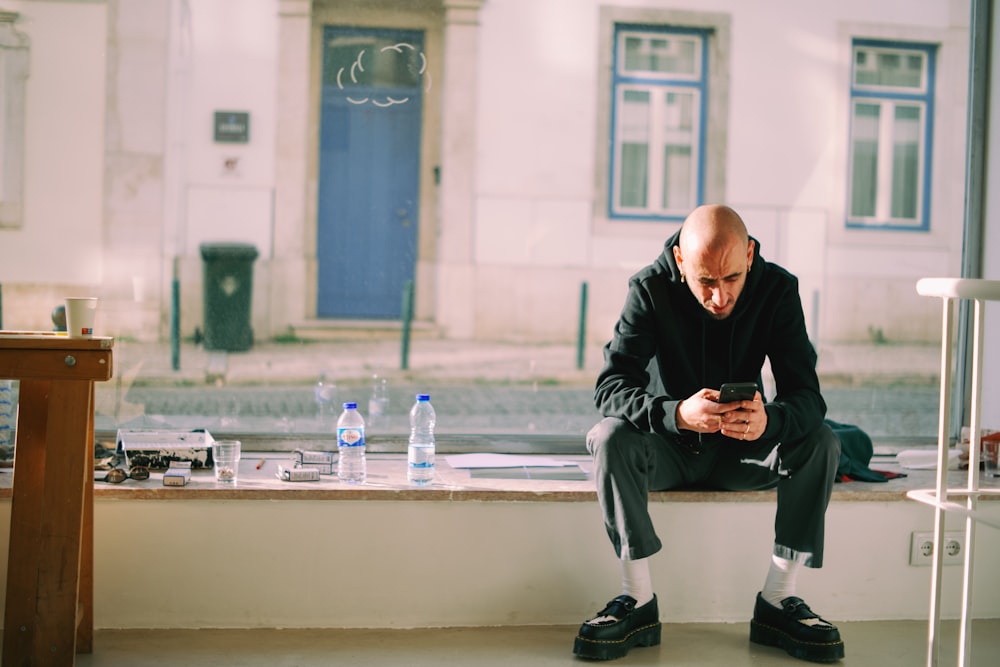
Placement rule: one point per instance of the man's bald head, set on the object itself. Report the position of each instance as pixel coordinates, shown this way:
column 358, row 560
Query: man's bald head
column 712, row 227
column 714, row 255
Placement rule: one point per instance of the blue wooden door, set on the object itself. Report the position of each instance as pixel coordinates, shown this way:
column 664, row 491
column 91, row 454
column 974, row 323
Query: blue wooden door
column 373, row 80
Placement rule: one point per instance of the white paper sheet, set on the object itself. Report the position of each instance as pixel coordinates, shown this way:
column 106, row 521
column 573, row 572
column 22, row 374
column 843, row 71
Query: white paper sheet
column 926, row 459
column 504, row 461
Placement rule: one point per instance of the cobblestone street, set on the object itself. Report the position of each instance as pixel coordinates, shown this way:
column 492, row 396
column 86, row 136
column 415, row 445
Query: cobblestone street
column 465, row 406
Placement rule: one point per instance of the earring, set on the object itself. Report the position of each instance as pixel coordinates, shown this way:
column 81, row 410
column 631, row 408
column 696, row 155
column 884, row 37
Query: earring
column 682, row 277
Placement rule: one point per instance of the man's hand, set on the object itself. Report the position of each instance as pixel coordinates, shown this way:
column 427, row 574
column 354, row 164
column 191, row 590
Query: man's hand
column 740, row 420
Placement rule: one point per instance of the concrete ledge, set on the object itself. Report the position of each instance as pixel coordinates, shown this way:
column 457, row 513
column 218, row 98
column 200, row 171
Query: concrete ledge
column 387, row 482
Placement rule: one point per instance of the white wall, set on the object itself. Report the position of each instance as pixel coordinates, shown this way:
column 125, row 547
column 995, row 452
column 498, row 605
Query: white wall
column 61, row 240
column 134, row 162
column 537, row 234
column 140, row 180
column 302, row 563
column 223, row 57
column 228, row 188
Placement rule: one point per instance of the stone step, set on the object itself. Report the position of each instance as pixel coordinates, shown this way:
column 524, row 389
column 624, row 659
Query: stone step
column 329, row 329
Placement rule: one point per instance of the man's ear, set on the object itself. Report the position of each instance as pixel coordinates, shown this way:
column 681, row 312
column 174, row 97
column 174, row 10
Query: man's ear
column 678, row 259
column 750, row 248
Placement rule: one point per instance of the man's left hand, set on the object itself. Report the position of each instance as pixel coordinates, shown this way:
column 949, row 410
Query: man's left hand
column 746, row 421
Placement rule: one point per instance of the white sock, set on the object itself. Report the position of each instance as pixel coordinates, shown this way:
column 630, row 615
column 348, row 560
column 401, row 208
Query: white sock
column 636, row 580
column 780, row 582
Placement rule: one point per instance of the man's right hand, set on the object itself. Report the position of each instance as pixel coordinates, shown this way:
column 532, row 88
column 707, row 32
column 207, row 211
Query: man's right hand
column 700, row 412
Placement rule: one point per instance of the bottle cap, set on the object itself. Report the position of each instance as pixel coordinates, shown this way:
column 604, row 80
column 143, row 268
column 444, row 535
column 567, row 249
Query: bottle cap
column 423, row 397
column 351, row 406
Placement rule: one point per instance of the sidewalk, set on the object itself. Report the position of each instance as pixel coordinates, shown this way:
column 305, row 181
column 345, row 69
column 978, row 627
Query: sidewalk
column 436, row 360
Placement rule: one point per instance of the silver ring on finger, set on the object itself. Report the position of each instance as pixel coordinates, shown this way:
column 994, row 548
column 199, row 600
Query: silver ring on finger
column 748, row 429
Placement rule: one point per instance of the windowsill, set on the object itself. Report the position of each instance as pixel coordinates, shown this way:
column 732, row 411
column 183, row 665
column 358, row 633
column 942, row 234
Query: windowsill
column 387, row 481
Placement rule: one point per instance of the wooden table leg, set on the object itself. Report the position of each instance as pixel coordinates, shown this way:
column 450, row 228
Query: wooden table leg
column 47, row 522
column 85, row 624
column 25, row 523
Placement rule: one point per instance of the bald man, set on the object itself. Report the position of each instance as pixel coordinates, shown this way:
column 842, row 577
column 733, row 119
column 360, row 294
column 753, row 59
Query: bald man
column 708, row 311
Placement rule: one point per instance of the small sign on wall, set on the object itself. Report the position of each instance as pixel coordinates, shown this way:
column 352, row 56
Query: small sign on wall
column 232, row 127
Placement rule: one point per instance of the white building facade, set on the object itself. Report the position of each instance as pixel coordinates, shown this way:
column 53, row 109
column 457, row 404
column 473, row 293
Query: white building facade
column 542, row 145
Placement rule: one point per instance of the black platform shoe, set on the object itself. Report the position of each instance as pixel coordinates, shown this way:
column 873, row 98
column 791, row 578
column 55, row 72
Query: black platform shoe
column 797, row 629
column 617, row 628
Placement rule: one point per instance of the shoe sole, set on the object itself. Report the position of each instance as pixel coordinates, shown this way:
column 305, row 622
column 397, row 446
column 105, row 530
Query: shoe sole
column 811, row 651
column 648, row 635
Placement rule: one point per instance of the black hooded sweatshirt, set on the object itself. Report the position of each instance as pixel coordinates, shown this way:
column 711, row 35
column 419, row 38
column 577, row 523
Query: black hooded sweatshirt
column 666, row 347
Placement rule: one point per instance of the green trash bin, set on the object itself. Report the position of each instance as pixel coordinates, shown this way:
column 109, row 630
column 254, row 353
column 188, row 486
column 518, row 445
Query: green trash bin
column 228, row 292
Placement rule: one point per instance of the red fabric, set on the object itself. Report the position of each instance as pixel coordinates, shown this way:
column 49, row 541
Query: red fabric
column 885, row 473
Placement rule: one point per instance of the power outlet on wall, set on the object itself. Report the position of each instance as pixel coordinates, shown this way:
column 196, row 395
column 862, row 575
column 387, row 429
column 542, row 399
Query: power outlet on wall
column 922, row 548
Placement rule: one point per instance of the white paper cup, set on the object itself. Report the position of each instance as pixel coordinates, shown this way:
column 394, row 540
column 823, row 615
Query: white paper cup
column 80, row 315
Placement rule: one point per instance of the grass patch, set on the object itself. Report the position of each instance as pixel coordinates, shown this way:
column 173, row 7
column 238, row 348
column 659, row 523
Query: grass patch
column 290, row 338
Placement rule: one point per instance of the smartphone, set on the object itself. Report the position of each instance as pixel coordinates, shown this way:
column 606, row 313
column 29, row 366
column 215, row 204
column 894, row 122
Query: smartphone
column 737, row 391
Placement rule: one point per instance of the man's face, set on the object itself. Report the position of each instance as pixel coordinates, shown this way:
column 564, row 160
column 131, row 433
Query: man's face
column 716, row 277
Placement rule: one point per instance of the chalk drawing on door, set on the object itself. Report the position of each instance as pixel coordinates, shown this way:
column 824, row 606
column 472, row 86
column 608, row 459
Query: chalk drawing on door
column 357, row 69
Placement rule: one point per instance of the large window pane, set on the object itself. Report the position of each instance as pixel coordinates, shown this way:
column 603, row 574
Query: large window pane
column 537, row 162
column 864, row 160
column 678, row 151
column 677, row 178
column 635, row 129
column 906, row 162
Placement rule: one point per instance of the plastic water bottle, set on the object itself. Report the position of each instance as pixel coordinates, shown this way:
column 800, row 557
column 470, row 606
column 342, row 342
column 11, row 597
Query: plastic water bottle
column 325, row 394
column 420, row 453
column 351, row 466
column 378, row 404
column 7, row 413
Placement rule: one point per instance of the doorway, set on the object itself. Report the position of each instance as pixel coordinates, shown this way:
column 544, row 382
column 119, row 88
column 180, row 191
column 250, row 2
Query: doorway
column 369, row 170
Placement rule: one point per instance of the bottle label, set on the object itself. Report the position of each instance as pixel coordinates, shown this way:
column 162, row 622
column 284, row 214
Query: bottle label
column 350, row 437
column 421, row 457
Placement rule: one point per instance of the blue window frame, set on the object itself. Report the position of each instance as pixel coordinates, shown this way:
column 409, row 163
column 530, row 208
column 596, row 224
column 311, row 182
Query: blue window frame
column 892, row 125
column 658, row 120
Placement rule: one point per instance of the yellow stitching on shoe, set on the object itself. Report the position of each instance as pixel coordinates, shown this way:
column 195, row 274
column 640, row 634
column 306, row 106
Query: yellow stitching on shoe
column 617, row 641
column 800, row 641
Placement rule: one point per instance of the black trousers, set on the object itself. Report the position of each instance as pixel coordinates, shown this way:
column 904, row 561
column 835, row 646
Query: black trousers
column 628, row 464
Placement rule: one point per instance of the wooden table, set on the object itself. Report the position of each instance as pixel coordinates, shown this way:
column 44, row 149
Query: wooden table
column 49, row 614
